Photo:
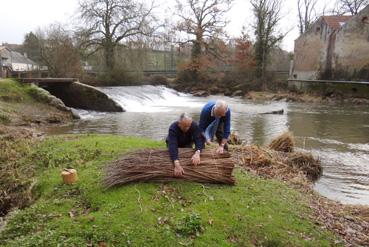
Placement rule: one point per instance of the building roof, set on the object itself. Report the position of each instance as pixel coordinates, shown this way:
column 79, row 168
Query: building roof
column 14, row 56
column 336, row 22
column 19, row 58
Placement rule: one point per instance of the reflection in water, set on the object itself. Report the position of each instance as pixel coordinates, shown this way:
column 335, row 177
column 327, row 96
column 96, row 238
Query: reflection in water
column 339, row 135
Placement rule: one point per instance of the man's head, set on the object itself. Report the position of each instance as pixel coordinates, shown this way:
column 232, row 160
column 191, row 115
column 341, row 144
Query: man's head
column 220, row 108
column 184, row 122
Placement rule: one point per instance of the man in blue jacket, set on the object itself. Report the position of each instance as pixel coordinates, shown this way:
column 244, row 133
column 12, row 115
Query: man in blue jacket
column 183, row 133
column 215, row 120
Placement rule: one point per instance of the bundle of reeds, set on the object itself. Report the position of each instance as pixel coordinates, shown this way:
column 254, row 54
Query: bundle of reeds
column 283, row 143
column 155, row 165
column 254, row 156
column 306, row 163
column 273, row 164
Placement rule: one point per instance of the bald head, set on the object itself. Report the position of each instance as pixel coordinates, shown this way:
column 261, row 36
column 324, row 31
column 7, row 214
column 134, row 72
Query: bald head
column 220, row 108
column 184, row 122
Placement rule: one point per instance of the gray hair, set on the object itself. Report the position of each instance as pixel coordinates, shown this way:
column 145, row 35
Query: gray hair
column 184, row 116
column 221, row 104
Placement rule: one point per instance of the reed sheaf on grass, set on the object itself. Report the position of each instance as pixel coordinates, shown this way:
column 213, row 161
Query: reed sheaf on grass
column 278, row 160
column 156, row 165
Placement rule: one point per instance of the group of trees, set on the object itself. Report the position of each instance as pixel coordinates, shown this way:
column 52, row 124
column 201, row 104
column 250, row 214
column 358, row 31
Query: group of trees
column 109, row 27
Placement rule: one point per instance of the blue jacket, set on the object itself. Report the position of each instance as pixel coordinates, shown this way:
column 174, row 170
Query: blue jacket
column 178, row 139
column 206, row 119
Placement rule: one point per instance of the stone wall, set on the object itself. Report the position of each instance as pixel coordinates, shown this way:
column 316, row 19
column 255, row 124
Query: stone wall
column 311, row 52
column 351, row 61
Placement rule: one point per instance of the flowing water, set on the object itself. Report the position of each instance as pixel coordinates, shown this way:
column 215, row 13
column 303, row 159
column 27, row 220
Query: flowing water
column 337, row 134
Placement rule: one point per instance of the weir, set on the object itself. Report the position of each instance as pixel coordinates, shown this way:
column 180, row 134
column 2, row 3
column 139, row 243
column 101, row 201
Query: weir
column 76, row 94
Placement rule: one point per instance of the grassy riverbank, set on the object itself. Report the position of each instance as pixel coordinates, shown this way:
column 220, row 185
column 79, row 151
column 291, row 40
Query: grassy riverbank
column 28, row 105
column 255, row 212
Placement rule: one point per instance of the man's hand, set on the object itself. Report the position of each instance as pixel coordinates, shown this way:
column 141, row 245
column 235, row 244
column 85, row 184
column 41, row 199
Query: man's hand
column 208, row 142
column 220, row 149
column 178, row 170
column 196, row 158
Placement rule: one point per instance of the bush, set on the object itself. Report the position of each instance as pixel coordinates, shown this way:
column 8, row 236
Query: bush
column 118, row 77
column 158, row 80
column 190, row 225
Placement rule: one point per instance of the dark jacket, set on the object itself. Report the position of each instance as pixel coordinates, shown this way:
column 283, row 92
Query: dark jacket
column 178, row 139
column 206, row 119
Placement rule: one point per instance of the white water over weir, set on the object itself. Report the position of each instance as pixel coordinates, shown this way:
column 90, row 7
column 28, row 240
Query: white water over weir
column 149, row 98
column 337, row 134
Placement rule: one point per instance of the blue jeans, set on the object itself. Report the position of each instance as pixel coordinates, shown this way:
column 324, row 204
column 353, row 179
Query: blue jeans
column 212, row 129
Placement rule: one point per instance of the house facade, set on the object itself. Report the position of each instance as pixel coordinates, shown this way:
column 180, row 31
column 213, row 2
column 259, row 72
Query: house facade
column 335, row 47
column 12, row 61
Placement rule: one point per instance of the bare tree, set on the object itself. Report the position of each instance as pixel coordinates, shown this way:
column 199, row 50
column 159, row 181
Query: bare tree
column 352, row 7
column 108, row 23
column 307, row 14
column 203, row 21
column 268, row 15
column 57, row 51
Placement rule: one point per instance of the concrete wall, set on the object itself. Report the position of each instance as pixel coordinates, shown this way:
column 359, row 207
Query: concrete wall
column 311, row 51
column 325, row 88
column 351, row 54
column 82, row 96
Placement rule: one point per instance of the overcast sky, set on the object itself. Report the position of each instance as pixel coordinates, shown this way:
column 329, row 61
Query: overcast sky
column 17, row 17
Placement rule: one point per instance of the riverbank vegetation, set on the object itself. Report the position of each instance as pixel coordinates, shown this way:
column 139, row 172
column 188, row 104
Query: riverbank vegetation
column 264, row 208
column 29, row 105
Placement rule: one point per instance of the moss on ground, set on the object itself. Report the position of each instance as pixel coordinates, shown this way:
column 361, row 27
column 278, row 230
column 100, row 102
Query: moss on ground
column 255, row 212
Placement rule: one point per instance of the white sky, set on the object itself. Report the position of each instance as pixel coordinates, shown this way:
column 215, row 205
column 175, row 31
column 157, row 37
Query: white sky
column 18, row 17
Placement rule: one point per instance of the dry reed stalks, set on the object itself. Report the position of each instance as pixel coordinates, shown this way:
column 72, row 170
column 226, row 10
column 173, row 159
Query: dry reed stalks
column 283, row 143
column 155, row 165
column 273, row 164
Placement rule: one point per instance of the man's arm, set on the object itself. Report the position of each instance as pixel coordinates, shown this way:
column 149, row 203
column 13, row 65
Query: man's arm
column 227, row 126
column 197, row 137
column 227, row 132
column 199, row 144
column 173, row 145
column 173, row 152
column 203, row 120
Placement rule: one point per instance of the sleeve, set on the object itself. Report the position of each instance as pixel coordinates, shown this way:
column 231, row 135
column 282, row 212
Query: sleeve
column 173, row 144
column 196, row 135
column 227, row 125
column 203, row 119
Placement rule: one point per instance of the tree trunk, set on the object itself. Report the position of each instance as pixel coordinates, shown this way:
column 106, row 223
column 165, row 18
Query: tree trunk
column 109, row 56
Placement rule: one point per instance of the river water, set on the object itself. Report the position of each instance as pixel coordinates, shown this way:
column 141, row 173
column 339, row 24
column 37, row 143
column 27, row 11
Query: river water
column 337, row 134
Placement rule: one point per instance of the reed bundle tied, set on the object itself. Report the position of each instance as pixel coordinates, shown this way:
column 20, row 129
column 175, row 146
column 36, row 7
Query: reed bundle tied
column 156, row 165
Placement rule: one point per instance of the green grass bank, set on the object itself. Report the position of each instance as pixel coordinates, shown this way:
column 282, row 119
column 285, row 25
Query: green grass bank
column 29, row 105
column 254, row 212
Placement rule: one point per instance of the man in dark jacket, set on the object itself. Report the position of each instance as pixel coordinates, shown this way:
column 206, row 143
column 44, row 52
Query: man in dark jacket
column 215, row 121
column 183, row 133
